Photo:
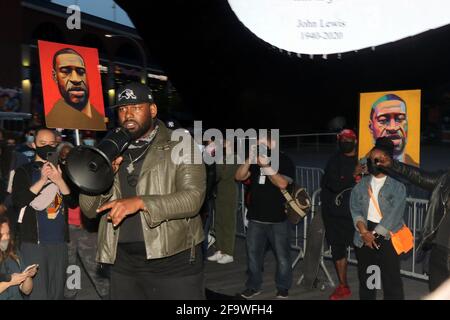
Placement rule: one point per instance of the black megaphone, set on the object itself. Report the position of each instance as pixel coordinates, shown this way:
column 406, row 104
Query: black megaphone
column 90, row 168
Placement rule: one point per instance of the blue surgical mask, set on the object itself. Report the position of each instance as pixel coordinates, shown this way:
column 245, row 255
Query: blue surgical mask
column 29, row 139
column 89, row 142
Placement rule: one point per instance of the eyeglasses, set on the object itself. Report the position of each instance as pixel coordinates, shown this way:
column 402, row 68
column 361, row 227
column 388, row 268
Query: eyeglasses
column 134, row 109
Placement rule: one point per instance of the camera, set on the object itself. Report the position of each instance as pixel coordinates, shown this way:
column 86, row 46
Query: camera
column 263, row 150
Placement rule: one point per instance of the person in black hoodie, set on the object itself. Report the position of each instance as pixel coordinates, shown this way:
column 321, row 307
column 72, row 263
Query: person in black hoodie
column 41, row 199
column 337, row 182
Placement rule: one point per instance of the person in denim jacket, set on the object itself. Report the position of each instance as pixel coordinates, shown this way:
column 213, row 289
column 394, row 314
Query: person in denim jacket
column 372, row 239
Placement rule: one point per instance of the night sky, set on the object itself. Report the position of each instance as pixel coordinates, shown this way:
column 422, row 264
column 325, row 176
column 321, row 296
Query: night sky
column 232, row 79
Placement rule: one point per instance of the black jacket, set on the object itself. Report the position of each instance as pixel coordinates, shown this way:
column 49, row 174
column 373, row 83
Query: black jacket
column 337, row 182
column 439, row 184
column 22, row 196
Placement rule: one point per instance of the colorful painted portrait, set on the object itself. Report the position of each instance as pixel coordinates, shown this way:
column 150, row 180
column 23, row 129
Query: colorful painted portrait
column 392, row 114
column 71, row 85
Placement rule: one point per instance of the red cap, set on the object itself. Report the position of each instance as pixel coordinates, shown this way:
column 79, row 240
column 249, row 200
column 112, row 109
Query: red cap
column 347, row 133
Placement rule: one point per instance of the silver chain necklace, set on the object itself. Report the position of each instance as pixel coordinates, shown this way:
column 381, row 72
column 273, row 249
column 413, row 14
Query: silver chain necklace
column 130, row 167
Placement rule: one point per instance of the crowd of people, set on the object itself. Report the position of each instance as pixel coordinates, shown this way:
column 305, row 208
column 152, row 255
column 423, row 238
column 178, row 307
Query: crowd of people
column 148, row 235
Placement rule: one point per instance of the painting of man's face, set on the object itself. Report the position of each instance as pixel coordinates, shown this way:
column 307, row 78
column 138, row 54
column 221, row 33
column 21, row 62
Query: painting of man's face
column 389, row 119
column 70, row 75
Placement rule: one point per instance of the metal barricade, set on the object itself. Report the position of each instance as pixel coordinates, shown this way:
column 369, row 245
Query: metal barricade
column 414, row 218
column 308, row 178
column 300, row 235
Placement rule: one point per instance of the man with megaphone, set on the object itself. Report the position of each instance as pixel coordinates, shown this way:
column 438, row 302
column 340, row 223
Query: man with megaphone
column 150, row 229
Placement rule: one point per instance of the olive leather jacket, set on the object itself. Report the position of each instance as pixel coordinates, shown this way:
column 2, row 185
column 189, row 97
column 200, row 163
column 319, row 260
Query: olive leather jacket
column 173, row 193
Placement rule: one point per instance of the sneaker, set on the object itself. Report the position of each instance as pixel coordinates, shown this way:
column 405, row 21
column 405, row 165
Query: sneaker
column 340, row 293
column 282, row 294
column 216, row 256
column 250, row 293
column 226, row 258
column 211, row 240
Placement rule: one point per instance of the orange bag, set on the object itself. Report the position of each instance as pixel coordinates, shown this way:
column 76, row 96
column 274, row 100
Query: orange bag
column 402, row 240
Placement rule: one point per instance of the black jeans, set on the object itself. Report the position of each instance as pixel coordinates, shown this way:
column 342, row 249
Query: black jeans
column 132, row 278
column 439, row 266
column 388, row 262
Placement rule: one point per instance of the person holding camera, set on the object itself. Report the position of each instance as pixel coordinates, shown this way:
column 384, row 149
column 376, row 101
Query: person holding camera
column 41, row 199
column 17, row 281
column 267, row 219
column 377, row 204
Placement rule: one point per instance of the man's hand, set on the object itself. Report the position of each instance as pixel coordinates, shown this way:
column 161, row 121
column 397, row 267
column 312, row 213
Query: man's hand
column 46, row 170
column 116, row 163
column 122, row 208
column 263, row 161
column 17, row 278
column 55, row 174
column 369, row 240
column 381, row 158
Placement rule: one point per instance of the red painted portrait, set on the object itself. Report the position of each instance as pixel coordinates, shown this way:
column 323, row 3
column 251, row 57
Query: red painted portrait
column 71, row 85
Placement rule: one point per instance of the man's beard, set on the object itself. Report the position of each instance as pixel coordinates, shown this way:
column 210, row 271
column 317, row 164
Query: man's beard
column 140, row 130
column 77, row 105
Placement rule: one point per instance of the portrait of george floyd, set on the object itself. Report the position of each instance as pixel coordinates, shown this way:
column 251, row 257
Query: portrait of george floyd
column 392, row 114
column 71, row 85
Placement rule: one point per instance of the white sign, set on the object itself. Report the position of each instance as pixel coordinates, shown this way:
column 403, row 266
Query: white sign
column 336, row 26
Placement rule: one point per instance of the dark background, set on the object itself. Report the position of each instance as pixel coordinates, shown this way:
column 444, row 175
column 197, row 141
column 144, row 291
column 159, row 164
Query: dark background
column 230, row 78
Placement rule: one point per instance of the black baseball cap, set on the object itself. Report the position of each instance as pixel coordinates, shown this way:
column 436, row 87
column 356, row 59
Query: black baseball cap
column 385, row 144
column 133, row 93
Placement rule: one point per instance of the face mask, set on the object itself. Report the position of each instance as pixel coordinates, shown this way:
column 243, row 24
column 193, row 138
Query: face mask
column 42, row 151
column 4, row 245
column 29, row 139
column 89, row 142
column 372, row 168
column 346, row 146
